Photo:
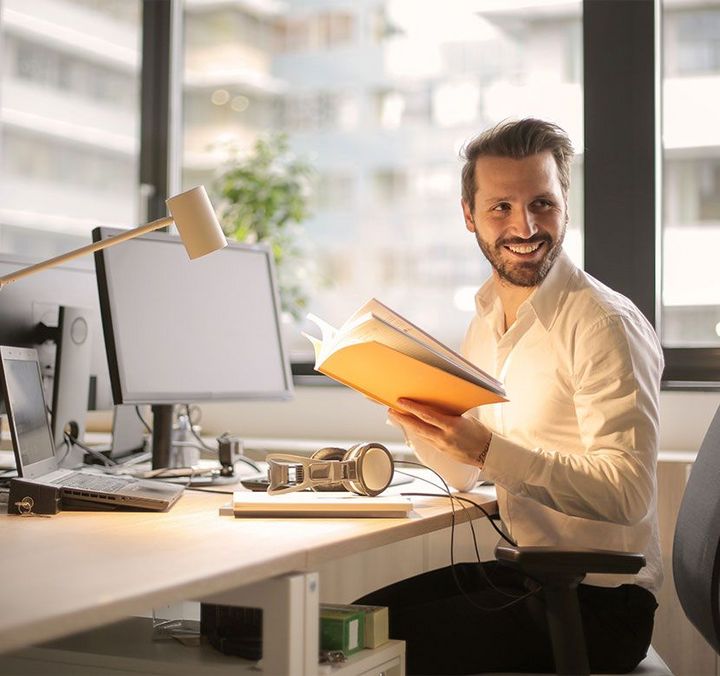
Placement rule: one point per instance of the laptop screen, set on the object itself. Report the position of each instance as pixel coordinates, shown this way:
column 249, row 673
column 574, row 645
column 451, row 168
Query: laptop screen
column 23, row 384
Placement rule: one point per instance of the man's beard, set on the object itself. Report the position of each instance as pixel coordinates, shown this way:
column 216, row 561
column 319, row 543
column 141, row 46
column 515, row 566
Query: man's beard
column 526, row 274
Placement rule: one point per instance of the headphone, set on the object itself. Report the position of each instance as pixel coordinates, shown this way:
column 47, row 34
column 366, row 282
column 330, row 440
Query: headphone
column 364, row 469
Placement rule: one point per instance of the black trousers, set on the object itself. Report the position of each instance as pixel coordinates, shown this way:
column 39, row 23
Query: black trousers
column 446, row 633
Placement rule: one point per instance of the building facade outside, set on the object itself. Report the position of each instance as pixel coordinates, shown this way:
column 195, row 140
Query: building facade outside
column 379, row 98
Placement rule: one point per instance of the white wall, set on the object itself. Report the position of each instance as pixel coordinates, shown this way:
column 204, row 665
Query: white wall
column 331, row 413
column 337, row 413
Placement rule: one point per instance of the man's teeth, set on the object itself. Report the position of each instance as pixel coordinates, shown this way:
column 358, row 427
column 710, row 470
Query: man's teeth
column 524, row 248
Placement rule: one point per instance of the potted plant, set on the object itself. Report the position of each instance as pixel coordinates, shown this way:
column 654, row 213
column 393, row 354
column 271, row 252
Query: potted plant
column 263, row 197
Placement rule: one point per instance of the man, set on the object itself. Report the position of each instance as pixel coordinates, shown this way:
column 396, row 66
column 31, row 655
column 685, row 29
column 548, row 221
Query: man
column 573, row 451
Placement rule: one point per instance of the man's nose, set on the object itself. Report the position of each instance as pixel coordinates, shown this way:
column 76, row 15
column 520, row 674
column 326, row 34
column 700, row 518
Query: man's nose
column 524, row 224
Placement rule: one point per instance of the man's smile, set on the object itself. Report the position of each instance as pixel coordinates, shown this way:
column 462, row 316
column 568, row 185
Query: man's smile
column 524, row 250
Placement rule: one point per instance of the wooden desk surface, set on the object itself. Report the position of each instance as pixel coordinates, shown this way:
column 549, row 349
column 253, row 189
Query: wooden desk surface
column 77, row 570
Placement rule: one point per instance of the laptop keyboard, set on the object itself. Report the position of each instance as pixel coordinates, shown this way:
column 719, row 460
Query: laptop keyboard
column 93, row 482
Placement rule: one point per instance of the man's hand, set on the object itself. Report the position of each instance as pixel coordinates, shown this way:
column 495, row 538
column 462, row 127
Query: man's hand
column 464, row 439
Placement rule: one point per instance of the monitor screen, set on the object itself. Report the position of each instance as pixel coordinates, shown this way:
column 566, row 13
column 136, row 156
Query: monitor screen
column 178, row 331
column 35, row 300
column 23, row 385
column 56, row 311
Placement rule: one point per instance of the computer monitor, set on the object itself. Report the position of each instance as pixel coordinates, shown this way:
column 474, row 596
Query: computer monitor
column 179, row 331
column 57, row 312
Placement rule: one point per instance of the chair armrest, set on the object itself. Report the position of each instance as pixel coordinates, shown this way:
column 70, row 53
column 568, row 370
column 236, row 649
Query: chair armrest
column 564, row 560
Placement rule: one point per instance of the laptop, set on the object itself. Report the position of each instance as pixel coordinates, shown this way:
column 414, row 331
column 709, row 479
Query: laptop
column 35, row 452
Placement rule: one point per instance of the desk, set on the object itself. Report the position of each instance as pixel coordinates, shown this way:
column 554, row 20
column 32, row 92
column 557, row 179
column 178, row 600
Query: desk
column 77, row 570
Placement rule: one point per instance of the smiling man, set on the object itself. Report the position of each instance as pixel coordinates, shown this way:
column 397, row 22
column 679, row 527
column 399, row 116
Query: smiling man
column 573, row 451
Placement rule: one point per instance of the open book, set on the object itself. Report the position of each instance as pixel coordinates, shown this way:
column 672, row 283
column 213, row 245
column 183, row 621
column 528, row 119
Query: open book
column 385, row 357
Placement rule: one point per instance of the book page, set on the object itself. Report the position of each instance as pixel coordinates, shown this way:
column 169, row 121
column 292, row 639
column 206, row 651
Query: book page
column 326, row 344
column 392, row 318
column 373, row 328
column 317, row 346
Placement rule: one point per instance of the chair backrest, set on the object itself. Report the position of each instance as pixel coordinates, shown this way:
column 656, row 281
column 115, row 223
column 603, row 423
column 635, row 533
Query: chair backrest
column 696, row 546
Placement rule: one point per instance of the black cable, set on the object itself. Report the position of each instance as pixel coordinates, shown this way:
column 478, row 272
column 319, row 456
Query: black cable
column 250, row 463
column 195, row 434
column 469, row 522
column 108, row 462
column 503, row 535
column 240, row 458
column 201, row 489
column 490, row 583
column 448, row 494
column 66, row 444
column 142, row 420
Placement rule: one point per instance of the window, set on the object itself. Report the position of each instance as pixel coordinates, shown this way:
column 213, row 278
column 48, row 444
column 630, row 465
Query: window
column 383, row 118
column 380, row 98
column 690, row 312
column 69, row 122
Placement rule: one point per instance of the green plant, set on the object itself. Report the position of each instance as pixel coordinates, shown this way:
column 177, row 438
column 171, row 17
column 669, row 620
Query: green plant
column 263, row 197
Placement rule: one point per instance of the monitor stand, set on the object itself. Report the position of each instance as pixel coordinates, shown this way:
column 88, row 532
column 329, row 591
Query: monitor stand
column 162, row 435
column 162, row 443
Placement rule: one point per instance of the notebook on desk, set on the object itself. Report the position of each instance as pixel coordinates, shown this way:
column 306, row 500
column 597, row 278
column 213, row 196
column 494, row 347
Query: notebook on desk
column 312, row 504
column 35, row 451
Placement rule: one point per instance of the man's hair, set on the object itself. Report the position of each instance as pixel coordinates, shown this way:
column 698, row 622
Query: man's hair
column 517, row 139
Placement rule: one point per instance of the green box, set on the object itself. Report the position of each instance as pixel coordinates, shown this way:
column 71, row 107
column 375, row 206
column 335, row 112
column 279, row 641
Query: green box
column 377, row 624
column 342, row 629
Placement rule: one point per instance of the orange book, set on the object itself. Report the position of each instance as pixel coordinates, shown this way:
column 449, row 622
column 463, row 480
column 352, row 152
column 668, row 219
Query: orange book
column 385, row 357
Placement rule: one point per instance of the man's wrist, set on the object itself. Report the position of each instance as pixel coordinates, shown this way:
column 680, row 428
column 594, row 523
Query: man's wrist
column 484, row 451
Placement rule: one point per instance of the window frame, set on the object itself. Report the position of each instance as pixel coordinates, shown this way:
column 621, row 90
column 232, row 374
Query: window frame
column 622, row 158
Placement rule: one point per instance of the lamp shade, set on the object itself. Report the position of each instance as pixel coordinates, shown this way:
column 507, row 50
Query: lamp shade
column 196, row 222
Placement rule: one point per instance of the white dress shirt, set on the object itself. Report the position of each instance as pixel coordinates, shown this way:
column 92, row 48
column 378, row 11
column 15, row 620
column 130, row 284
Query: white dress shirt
column 574, row 450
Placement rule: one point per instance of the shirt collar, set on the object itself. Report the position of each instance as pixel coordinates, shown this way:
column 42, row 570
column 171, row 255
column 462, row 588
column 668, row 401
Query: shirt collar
column 550, row 295
column 547, row 299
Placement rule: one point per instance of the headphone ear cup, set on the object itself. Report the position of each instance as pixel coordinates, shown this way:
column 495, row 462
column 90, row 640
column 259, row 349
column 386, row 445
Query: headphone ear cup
column 330, row 453
column 374, row 469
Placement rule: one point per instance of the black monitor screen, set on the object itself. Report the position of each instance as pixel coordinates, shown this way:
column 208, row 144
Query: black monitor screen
column 24, row 387
column 178, row 331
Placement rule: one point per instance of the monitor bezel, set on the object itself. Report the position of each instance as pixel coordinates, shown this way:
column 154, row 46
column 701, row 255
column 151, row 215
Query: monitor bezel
column 120, row 395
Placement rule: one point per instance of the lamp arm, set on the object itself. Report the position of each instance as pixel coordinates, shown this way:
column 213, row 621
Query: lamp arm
column 90, row 248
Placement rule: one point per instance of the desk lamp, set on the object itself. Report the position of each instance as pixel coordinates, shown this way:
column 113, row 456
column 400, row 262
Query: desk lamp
column 191, row 211
column 196, row 221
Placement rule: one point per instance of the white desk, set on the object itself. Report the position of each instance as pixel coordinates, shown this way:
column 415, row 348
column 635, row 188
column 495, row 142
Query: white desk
column 77, row 570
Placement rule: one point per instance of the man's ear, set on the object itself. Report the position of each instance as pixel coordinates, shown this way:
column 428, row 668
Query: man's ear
column 467, row 215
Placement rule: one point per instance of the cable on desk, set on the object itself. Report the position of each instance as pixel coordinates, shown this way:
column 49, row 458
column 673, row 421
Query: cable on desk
column 142, row 420
column 240, row 458
column 194, row 432
column 434, row 485
column 447, row 494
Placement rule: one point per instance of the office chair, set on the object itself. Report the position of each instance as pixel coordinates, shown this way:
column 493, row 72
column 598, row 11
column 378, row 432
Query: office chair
column 696, row 568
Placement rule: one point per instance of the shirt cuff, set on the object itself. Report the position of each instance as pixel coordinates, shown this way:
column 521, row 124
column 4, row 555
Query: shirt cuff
column 508, row 464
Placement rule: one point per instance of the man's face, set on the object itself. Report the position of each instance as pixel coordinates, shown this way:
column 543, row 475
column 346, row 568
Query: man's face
column 520, row 216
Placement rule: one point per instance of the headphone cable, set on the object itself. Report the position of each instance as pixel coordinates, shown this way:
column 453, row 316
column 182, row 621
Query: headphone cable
column 448, row 494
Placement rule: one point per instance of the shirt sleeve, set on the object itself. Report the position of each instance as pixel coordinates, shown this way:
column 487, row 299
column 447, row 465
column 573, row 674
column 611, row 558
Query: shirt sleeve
column 457, row 474
column 617, row 367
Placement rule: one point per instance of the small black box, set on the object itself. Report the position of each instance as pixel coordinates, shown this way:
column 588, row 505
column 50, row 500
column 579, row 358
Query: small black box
column 28, row 496
column 233, row 630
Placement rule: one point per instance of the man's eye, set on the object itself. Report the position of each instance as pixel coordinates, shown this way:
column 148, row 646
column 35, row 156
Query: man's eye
column 544, row 204
column 503, row 206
